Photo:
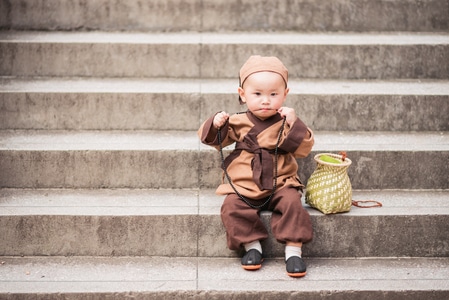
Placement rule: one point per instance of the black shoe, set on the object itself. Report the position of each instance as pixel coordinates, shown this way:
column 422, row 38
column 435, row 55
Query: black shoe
column 296, row 267
column 252, row 260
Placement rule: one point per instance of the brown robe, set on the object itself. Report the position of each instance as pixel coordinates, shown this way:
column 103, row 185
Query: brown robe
column 250, row 165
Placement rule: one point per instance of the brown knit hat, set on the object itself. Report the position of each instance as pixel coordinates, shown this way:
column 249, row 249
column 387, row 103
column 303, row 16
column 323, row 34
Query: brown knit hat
column 257, row 63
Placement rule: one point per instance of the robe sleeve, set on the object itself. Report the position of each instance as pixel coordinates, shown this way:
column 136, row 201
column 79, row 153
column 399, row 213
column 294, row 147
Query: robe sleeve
column 298, row 139
column 208, row 134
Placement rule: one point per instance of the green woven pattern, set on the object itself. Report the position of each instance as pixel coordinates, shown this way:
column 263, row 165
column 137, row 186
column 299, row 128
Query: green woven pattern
column 329, row 189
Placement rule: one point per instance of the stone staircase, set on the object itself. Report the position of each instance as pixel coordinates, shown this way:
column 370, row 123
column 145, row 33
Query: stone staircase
column 107, row 193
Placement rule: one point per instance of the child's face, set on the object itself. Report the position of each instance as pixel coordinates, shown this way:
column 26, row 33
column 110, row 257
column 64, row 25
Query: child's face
column 264, row 93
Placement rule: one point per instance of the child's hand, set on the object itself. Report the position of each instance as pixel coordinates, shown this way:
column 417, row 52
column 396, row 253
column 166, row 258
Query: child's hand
column 220, row 119
column 289, row 114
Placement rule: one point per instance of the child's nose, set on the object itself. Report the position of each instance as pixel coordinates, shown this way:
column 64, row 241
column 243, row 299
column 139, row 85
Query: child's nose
column 265, row 99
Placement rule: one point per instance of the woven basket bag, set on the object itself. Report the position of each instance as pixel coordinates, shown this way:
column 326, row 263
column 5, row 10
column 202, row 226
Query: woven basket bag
column 329, row 189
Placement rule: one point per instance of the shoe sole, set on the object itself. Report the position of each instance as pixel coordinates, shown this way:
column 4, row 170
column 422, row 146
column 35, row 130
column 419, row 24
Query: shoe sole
column 251, row 267
column 296, row 275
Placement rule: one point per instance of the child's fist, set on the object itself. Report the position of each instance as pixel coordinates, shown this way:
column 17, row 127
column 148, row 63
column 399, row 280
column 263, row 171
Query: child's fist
column 220, row 119
column 289, row 114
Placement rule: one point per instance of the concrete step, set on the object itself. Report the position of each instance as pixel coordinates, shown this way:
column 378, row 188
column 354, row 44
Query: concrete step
column 155, row 222
column 147, row 159
column 220, row 278
column 98, row 159
column 145, row 104
column 197, row 55
column 219, row 15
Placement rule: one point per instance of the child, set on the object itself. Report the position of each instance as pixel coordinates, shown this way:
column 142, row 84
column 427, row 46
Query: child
column 262, row 167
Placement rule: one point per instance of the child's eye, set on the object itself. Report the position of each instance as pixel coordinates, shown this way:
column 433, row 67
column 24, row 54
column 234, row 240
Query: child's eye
column 257, row 94
column 273, row 94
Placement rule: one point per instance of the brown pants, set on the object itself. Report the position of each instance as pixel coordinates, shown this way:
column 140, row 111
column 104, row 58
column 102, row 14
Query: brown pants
column 289, row 220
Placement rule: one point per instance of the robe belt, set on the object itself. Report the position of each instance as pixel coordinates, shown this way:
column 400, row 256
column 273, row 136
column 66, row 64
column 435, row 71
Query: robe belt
column 261, row 164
